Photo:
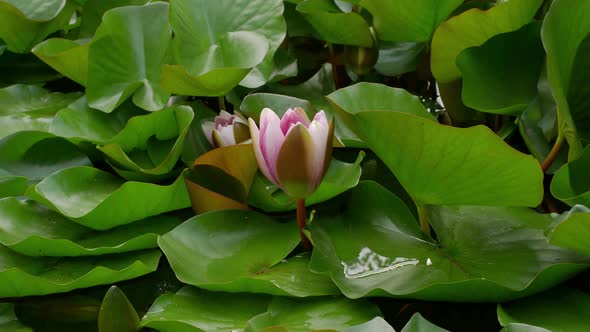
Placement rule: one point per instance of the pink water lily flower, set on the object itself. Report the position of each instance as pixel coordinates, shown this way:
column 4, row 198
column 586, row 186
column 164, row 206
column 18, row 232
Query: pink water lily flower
column 293, row 152
column 227, row 129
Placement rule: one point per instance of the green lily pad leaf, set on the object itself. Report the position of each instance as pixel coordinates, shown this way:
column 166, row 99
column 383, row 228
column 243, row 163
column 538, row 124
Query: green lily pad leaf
column 371, row 96
column 253, row 104
column 517, row 327
column 149, row 144
column 334, row 26
column 376, row 324
column 26, row 23
column 571, row 183
column 302, row 315
column 399, row 57
column 69, row 57
column 340, row 177
column 125, row 57
column 218, row 68
column 24, row 276
column 36, row 154
column 33, row 230
column 566, row 37
column 434, row 165
column 473, row 28
column 290, row 277
column 11, row 185
column 93, row 10
column 254, row 263
column 101, row 201
column 573, row 232
column 117, row 313
column 9, row 321
column 420, row 324
column 560, row 309
column 219, row 35
column 408, row 20
column 537, row 125
column 500, row 76
column 192, row 309
column 30, row 107
column 375, row 247
column 79, row 122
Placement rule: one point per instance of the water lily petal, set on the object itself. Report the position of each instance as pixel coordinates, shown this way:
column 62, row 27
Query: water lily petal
column 295, row 163
column 271, row 139
column 292, row 117
column 224, row 136
column 223, row 119
column 319, row 135
column 208, row 127
column 255, row 134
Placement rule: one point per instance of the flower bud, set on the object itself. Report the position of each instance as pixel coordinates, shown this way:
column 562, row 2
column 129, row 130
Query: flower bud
column 227, row 129
column 293, row 152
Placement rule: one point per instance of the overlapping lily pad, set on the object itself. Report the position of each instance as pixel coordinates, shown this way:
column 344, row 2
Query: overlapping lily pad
column 125, row 57
column 30, row 107
column 23, row 275
column 340, row 177
column 69, row 57
column 571, row 183
column 302, row 315
column 375, row 247
column 149, row 145
column 572, row 230
column 561, row 309
column 566, row 37
column 32, row 154
column 33, row 230
column 101, row 201
column 12, row 185
column 334, row 26
column 409, row 20
column 217, row 43
column 9, row 321
column 241, row 251
column 192, row 309
column 435, row 166
column 473, row 28
column 25, row 23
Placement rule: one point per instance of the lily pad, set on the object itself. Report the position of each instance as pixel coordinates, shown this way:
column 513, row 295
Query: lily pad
column 334, row 26
column 571, row 183
column 79, row 122
column 419, row 324
column 434, row 165
column 117, row 313
column 409, row 20
column 33, row 230
column 9, row 321
column 302, row 315
column 473, row 28
column 69, row 57
column 500, row 76
column 359, row 97
column 101, row 201
column 125, row 57
column 573, row 232
column 376, row 324
column 375, row 248
column 192, row 309
column 216, row 43
column 30, row 107
column 25, row 23
column 11, row 185
column 149, row 145
column 93, row 11
column 340, row 177
column 566, row 37
column 239, row 251
column 400, row 57
column 561, row 309
column 24, row 276
column 35, row 154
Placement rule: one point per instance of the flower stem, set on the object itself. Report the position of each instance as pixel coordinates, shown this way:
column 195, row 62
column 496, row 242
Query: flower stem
column 424, row 225
column 553, row 153
column 222, row 103
column 301, row 222
column 334, row 67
